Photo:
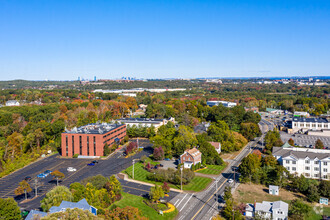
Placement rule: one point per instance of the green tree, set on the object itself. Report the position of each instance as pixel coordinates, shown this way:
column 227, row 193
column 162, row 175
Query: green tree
column 24, row 187
column 324, row 188
column 78, row 191
column 312, row 193
column 106, row 150
column 156, row 193
column 227, row 194
column 9, row 209
column 250, row 130
column 97, row 181
column 298, row 209
column 57, row 175
column 113, row 188
column 249, row 166
column 55, row 197
column 291, row 142
column 319, row 144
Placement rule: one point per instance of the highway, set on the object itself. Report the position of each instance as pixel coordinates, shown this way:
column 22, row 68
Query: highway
column 205, row 204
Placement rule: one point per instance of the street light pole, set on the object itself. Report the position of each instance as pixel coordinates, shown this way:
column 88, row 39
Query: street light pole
column 181, row 176
column 216, row 188
column 133, row 167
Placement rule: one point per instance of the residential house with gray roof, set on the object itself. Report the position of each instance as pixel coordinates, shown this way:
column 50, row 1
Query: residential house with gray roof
column 272, row 210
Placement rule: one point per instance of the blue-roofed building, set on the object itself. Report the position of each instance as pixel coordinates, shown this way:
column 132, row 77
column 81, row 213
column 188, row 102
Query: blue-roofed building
column 82, row 204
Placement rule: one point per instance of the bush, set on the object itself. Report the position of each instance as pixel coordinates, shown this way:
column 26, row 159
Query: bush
column 172, row 176
column 75, row 156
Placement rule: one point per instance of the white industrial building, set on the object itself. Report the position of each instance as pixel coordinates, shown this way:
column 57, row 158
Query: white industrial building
column 145, row 122
column 224, row 103
column 312, row 163
column 12, row 103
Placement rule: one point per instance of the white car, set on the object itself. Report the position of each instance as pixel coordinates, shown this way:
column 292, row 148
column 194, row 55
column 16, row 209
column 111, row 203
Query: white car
column 230, row 180
column 71, row 169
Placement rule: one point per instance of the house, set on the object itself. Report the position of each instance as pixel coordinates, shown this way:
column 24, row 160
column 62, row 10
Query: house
column 12, row 103
column 82, row 204
column 274, row 190
column 272, row 210
column 312, row 163
column 249, row 210
column 324, row 201
column 191, row 157
column 217, row 146
column 202, row 128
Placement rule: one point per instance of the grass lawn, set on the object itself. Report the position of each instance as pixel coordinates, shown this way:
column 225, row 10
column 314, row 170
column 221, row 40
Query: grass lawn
column 213, row 169
column 197, row 184
column 314, row 215
column 137, row 201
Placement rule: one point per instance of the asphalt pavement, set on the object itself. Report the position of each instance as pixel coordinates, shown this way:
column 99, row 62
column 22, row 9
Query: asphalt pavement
column 111, row 166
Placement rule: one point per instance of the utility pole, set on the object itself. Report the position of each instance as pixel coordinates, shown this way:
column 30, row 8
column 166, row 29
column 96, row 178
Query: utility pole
column 133, row 168
column 181, row 176
column 216, row 188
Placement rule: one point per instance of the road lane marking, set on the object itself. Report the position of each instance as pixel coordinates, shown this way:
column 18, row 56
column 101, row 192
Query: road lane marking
column 136, row 188
column 182, row 199
column 186, row 202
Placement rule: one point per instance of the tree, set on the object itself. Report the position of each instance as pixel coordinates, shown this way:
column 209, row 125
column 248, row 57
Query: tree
column 312, row 193
column 36, row 185
column 113, row 188
column 24, row 187
column 324, row 188
column 298, row 209
column 124, row 213
column 319, row 144
column 156, row 193
column 106, row 150
column 291, row 142
column 227, row 194
column 97, row 181
column 250, row 130
column 249, row 167
column 55, row 197
column 166, row 187
column 72, row 214
column 158, row 153
column 78, row 191
column 9, row 209
column 57, row 175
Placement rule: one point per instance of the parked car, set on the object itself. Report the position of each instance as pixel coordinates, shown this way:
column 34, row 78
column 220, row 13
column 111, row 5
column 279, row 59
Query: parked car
column 230, row 180
column 91, row 164
column 167, row 159
column 161, row 165
column 47, row 172
column 71, row 169
column 95, row 161
column 41, row 175
column 27, row 179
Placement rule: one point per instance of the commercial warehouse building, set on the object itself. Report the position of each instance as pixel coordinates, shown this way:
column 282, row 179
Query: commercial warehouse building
column 89, row 140
column 145, row 122
column 224, row 103
column 305, row 124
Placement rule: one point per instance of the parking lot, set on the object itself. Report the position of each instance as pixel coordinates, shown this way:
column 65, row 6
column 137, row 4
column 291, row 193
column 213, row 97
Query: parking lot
column 108, row 167
column 303, row 139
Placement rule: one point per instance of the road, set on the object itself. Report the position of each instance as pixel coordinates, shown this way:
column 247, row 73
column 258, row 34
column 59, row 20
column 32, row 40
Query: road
column 108, row 167
column 204, row 205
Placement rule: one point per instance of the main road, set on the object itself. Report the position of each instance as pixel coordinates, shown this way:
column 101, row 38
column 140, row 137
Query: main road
column 204, row 205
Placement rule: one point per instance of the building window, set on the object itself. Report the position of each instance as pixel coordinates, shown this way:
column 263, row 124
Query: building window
column 94, row 146
column 287, row 161
column 316, row 175
column 316, row 168
column 294, row 162
column 307, row 168
column 87, row 145
column 72, row 145
column 307, row 174
column 288, row 168
column 80, row 146
column 325, row 170
column 307, row 161
column 325, row 176
column 316, row 162
column 325, row 163
column 293, row 169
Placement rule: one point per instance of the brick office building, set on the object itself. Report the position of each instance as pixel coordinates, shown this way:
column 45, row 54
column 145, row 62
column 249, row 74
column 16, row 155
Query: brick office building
column 89, row 140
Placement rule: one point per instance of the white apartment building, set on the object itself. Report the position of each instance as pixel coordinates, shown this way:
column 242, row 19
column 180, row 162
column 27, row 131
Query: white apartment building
column 312, row 163
column 224, row 103
column 306, row 124
column 12, row 103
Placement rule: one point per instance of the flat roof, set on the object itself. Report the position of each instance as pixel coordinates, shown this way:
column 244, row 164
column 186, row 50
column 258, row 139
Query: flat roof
column 140, row 120
column 318, row 120
column 94, row 128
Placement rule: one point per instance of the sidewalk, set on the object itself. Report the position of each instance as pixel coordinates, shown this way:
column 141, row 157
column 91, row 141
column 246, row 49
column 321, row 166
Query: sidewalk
column 143, row 183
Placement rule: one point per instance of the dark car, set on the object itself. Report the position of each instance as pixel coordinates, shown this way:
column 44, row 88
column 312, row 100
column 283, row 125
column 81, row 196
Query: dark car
column 27, row 179
column 161, row 165
column 91, row 164
column 167, row 159
column 94, row 161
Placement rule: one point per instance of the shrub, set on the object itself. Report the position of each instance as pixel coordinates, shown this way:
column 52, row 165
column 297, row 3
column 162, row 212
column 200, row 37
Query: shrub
column 75, row 156
column 172, row 176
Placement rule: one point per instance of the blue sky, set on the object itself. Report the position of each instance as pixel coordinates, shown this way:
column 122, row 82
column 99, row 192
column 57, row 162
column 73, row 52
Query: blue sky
column 56, row 39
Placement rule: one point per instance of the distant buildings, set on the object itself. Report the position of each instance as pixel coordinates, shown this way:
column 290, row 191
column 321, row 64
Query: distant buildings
column 12, row 103
column 254, row 109
column 82, row 204
column 139, row 90
column 89, row 140
column 191, row 157
column 312, row 163
column 301, row 114
column 145, row 122
column 224, row 103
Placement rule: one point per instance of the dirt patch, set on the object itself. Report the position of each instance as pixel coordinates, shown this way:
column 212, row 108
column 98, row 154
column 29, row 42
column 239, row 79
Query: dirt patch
column 230, row 156
column 250, row 193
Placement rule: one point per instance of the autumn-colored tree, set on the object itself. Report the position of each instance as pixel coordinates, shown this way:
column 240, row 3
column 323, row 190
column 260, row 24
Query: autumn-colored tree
column 166, row 187
column 124, row 213
column 156, row 193
column 24, row 187
column 291, row 142
column 57, row 175
column 319, row 144
column 158, row 153
column 39, row 135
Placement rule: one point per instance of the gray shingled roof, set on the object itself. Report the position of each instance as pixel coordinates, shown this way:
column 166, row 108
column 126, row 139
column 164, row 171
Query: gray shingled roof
column 32, row 213
column 264, row 207
column 281, row 205
column 279, row 151
column 82, row 204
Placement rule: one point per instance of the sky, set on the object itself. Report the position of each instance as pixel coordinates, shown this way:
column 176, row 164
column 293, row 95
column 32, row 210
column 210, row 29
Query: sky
column 62, row 40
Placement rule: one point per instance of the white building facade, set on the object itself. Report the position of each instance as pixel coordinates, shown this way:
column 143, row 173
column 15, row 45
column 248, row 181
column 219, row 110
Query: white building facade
column 312, row 163
column 224, row 103
column 145, row 122
column 305, row 124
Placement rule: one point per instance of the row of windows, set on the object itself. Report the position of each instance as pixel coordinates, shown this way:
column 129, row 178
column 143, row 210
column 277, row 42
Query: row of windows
column 307, row 168
column 316, row 175
column 307, row 162
column 80, row 145
column 114, row 131
column 113, row 137
column 319, row 125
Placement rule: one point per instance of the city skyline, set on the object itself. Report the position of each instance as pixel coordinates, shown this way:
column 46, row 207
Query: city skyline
column 146, row 39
